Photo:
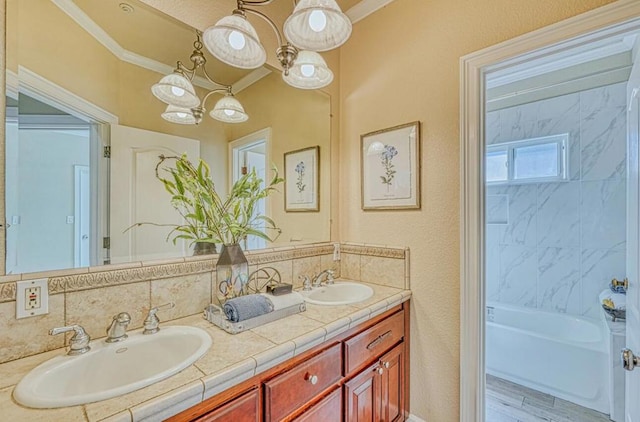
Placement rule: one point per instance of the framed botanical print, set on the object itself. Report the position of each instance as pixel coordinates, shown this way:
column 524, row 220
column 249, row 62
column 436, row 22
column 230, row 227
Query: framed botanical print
column 302, row 180
column 390, row 165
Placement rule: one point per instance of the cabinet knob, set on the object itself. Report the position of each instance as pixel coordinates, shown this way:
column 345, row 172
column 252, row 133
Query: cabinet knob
column 386, row 365
column 380, row 371
column 313, row 379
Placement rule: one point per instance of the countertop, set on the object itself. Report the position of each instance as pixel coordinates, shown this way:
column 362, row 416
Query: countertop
column 231, row 360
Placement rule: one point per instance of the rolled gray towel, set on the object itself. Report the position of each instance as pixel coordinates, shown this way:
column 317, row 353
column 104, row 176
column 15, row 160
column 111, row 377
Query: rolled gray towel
column 246, row 307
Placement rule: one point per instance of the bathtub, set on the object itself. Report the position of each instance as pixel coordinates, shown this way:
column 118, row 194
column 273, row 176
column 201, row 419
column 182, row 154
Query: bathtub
column 562, row 355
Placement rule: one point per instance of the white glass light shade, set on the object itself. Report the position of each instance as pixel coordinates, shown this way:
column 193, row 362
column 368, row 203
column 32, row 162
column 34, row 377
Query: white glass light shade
column 180, row 115
column 235, row 42
column 175, row 89
column 309, row 71
column 317, row 25
column 229, row 110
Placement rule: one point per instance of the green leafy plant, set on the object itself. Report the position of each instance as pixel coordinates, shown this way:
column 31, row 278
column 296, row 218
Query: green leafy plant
column 208, row 217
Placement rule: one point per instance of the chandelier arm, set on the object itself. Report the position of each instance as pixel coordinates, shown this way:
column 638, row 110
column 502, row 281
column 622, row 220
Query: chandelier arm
column 191, row 72
column 206, row 97
column 269, row 21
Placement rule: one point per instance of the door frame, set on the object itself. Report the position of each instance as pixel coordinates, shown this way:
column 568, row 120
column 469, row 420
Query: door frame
column 585, row 28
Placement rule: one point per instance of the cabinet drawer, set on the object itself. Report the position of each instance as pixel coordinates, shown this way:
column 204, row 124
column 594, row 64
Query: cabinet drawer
column 292, row 389
column 328, row 409
column 367, row 346
column 241, row 409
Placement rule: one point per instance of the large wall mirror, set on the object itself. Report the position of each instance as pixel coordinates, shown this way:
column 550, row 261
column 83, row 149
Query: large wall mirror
column 84, row 133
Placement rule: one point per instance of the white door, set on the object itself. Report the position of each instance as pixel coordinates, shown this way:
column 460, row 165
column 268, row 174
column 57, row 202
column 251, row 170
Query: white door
column 137, row 196
column 256, row 160
column 632, row 394
column 82, row 217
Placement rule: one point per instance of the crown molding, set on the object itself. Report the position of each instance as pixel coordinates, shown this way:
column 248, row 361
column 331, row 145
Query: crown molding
column 365, row 8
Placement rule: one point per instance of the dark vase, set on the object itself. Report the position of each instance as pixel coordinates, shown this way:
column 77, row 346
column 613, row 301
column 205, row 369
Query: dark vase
column 232, row 272
column 204, row 248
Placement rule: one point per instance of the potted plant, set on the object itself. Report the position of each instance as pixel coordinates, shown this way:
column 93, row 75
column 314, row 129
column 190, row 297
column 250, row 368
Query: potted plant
column 209, row 218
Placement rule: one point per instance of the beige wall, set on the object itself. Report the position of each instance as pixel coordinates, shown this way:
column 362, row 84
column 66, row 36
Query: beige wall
column 298, row 119
column 402, row 64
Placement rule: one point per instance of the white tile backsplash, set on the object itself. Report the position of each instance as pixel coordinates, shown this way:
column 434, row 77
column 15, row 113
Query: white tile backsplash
column 556, row 246
column 603, row 213
column 558, row 220
column 517, row 265
column 559, row 279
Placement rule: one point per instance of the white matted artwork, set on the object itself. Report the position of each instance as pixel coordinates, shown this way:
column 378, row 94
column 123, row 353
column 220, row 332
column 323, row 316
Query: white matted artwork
column 390, row 163
column 302, row 180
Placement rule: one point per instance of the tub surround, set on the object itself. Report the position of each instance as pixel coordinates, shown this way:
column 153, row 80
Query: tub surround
column 231, row 360
column 91, row 296
column 555, row 246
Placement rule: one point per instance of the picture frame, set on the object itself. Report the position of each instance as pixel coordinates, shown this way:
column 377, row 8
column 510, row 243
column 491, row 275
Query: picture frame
column 390, row 168
column 302, row 180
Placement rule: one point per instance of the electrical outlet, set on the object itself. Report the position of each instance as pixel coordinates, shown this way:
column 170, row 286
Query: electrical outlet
column 32, row 298
column 336, row 252
column 70, row 219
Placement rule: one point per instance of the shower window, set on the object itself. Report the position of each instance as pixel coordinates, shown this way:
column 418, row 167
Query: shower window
column 528, row 160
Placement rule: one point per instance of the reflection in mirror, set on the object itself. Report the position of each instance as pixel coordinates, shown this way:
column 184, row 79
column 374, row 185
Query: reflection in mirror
column 84, row 133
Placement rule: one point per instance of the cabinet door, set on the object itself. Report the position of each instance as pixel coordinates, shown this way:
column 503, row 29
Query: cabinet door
column 242, row 409
column 392, row 385
column 362, row 396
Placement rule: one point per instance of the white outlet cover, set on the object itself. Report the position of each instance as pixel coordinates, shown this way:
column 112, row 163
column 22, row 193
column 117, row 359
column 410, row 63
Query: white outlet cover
column 21, row 299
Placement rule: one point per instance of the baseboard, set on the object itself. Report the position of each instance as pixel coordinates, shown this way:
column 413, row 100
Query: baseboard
column 414, row 418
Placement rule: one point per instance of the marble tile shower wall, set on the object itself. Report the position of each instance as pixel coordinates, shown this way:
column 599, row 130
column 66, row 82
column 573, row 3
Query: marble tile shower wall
column 555, row 246
column 91, row 296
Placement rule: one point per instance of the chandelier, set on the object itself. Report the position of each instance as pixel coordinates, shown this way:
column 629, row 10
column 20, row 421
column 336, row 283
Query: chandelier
column 314, row 25
column 184, row 105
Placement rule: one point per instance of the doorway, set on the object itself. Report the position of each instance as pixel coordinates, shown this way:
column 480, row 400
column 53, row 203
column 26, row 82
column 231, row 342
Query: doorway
column 247, row 154
column 477, row 207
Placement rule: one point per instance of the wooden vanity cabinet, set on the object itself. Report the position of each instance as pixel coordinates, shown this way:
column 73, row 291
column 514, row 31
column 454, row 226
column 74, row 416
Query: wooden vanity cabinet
column 245, row 408
column 377, row 392
column 359, row 376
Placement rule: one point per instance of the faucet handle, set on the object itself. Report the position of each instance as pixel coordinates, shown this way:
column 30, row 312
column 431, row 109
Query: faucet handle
column 330, row 276
column 79, row 342
column 152, row 322
column 306, row 282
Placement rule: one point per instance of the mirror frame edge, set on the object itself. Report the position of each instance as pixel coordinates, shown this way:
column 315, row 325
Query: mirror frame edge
column 3, row 112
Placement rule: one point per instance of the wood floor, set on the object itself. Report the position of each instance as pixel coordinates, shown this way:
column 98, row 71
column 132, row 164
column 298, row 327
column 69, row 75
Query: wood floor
column 509, row 402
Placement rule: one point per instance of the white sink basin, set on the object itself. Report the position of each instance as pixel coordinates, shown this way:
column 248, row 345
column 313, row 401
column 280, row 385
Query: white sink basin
column 339, row 293
column 111, row 369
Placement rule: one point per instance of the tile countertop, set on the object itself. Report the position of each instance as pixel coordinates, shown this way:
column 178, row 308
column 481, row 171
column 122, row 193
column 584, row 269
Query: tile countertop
column 231, row 360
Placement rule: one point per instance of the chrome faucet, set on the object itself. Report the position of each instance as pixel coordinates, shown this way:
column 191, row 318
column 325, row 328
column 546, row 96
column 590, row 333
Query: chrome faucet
column 306, row 282
column 317, row 280
column 152, row 322
column 79, row 342
column 117, row 330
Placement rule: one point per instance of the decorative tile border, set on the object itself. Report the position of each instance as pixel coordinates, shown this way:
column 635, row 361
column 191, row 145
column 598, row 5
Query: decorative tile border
column 192, row 265
column 289, row 253
column 7, row 292
column 78, row 282
column 373, row 250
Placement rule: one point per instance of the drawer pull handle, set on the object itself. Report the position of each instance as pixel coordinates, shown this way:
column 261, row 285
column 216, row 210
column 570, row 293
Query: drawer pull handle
column 313, row 379
column 378, row 340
